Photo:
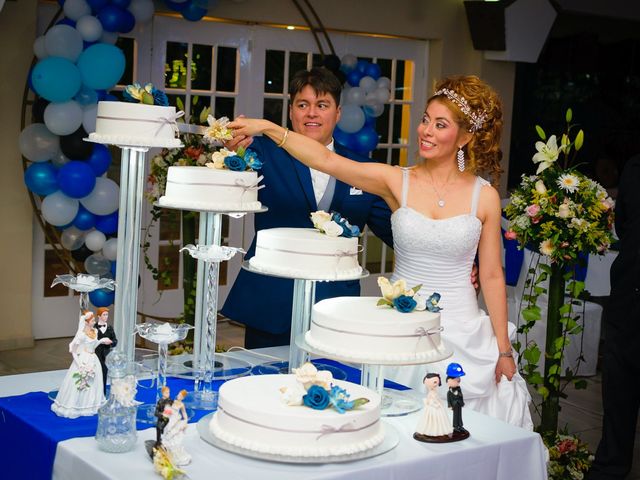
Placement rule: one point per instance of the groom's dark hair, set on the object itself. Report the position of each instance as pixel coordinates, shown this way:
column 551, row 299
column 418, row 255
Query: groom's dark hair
column 320, row 79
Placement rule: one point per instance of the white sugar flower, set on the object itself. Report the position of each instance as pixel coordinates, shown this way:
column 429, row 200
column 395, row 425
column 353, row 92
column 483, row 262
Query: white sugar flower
column 421, row 302
column 547, row 153
column 546, row 247
column 391, row 292
column 319, row 218
column 218, row 130
column 568, row 182
column 306, row 374
column 331, row 229
column 292, row 396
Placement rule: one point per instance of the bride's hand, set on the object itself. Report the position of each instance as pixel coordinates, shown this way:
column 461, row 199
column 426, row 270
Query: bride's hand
column 247, row 127
column 238, row 141
column 505, row 366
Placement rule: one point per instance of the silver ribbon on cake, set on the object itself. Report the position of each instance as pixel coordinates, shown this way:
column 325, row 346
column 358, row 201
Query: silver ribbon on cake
column 329, row 429
column 422, row 332
column 170, row 120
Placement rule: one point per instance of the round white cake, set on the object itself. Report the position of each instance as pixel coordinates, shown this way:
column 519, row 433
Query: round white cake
column 306, row 253
column 355, row 328
column 203, row 188
column 136, row 125
column 252, row 415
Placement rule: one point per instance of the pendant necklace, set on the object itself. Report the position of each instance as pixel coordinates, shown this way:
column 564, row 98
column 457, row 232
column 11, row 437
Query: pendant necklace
column 441, row 203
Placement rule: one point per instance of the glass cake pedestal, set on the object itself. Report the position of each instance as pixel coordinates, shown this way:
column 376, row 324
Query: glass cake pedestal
column 207, row 367
column 395, row 403
column 304, row 297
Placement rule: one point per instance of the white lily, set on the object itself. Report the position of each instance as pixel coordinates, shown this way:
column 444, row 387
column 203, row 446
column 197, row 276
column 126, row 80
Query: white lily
column 392, row 291
column 547, row 153
column 331, row 228
column 421, row 302
column 319, row 218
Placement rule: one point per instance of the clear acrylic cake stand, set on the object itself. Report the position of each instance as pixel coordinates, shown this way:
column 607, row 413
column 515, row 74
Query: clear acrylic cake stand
column 206, row 366
column 395, row 403
column 304, row 297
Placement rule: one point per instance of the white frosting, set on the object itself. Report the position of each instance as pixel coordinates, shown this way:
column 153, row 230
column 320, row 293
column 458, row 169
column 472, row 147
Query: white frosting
column 252, row 415
column 306, row 253
column 356, row 328
column 203, row 188
column 135, row 124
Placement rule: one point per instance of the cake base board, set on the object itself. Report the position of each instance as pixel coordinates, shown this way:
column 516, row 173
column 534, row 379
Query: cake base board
column 443, row 354
column 250, row 268
column 391, row 440
column 235, row 213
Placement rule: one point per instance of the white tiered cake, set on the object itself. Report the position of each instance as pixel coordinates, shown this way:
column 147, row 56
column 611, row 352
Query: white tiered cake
column 202, row 188
column 355, row 328
column 306, row 253
column 136, row 124
column 253, row 416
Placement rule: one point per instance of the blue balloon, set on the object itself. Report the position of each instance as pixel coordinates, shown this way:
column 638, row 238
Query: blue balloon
column 354, row 76
column 193, row 13
column 343, row 138
column 111, row 18
column 101, row 66
column 113, row 269
column 127, row 22
column 56, row 79
column 107, row 224
column 76, row 179
column 369, row 121
column 96, row 5
column 177, row 6
column 41, row 178
column 102, row 297
column 85, row 220
column 124, row 4
column 66, row 21
column 100, row 159
column 366, row 139
column 373, row 70
column 361, row 66
column 86, row 96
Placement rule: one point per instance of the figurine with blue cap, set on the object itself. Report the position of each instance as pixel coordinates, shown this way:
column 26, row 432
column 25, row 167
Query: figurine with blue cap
column 455, row 400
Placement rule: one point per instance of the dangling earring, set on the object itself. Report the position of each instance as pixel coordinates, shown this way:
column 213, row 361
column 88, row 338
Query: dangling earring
column 460, row 157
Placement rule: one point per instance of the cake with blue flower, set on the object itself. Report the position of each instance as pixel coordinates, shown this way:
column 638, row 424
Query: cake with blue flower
column 402, row 326
column 144, row 119
column 304, row 415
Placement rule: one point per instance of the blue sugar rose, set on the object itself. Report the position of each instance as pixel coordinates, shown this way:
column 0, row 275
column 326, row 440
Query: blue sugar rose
column 235, row 163
column 404, row 303
column 316, row 398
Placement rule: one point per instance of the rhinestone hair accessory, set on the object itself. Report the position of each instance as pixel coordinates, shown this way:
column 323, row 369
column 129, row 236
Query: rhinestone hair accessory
column 476, row 119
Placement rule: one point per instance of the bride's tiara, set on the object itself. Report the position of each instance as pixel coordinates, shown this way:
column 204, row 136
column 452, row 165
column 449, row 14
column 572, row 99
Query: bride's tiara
column 476, row 119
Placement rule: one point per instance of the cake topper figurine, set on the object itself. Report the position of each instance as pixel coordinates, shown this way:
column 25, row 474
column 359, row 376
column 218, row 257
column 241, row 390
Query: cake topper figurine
column 174, row 431
column 104, row 330
column 455, row 400
column 434, row 426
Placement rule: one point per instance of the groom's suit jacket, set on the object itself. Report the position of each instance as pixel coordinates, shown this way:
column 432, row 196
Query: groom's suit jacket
column 264, row 302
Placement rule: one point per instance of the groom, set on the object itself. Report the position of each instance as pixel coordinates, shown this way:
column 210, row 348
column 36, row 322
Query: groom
column 102, row 350
column 293, row 191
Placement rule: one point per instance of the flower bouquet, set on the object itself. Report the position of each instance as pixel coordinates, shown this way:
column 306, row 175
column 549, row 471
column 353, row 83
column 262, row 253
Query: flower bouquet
column 563, row 215
column 333, row 224
column 84, row 377
column 405, row 300
column 569, row 458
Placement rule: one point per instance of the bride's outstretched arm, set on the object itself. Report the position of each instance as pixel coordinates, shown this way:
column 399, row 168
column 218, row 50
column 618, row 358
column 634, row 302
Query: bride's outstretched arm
column 492, row 278
column 371, row 177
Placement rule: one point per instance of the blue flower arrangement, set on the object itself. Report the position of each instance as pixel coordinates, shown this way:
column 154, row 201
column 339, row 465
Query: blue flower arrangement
column 149, row 95
column 334, row 225
column 405, row 300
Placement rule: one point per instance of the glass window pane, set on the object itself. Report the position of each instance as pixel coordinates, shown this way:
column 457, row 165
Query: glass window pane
column 201, row 67
column 273, row 110
column 401, row 123
column 396, row 156
column 127, row 45
column 168, row 267
column 316, row 60
column 385, row 67
column 175, row 70
column 380, row 155
column 178, row 101
column 382, row 124
column 198, row 104
column 225, row 107
column 53, row 266
column 404, row 79
column 169, row 224
column 226, row 69
column 274, row 72
column 297, row 62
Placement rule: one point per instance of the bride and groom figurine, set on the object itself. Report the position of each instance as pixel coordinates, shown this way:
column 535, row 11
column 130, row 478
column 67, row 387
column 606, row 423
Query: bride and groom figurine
column 82, row 390
column 171, row 425
column 434, row 425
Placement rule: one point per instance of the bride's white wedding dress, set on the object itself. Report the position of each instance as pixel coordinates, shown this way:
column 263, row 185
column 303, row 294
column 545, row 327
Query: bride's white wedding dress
column 439, row 254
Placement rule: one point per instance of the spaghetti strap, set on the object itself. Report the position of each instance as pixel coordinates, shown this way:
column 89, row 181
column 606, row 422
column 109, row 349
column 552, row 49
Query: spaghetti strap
column 405, row 186
column 480, row 182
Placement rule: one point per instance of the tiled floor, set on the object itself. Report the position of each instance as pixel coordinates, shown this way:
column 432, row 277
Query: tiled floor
column 581, row 411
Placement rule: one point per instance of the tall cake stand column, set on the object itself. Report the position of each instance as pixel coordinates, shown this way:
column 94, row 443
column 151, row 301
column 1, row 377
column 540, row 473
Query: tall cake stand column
column 128, row 265
column 304, row 296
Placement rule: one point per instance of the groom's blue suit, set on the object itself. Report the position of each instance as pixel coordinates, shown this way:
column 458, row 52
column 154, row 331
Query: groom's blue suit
column 263, row 302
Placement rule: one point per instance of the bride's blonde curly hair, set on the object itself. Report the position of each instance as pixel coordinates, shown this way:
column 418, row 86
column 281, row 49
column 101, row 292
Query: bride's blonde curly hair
column 482, row 153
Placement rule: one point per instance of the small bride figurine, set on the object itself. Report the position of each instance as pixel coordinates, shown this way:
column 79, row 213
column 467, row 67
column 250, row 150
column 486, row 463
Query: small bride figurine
column 81, row 392
column 174, row 432
column 435, row 425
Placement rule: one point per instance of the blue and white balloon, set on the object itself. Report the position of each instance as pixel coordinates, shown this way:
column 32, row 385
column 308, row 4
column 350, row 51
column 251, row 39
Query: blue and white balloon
column 63, row 41
column 58, row 209
column 90, row 28
column 351, row 118
column 74, row 9
column 104, row 198
column 37, row 143
column 63, row 118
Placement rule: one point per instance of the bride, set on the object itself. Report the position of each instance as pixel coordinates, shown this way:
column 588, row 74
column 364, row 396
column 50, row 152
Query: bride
column 443, row 214
column 81, row 392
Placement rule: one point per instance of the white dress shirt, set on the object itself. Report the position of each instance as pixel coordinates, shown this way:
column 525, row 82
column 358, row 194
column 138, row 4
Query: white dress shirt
column 319, row 179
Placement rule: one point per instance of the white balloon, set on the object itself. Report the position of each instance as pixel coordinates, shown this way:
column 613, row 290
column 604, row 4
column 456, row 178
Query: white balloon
column 109, row 37
column 374, row 110
column 89, row 118
column 355, row 96
column 368, row 84
column 63, row 41
column 381, row 95
column 59, row 159
column 349, row 60
column 74, row 9
column 351, row 118
column 63, row 118
column 89, row 28
column 142, row 10
column 110, row 249
column 96, row 264
column 104, row 198
column 72, row 238
column 95, row 240
column 39, row 49
column 58, row 209
column 384, row 82
column 37, row 143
